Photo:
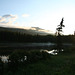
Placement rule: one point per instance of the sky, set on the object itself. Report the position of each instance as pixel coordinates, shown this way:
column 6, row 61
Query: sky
column 45, row 14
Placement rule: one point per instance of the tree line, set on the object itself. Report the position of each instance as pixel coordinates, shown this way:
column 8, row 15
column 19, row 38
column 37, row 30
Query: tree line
column 8, row 36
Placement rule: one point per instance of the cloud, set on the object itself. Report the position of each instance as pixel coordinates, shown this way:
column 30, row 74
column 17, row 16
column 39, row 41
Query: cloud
column 40, row 30
column 10, row 16
column 32, row 28
column 36, row 28
column 47, row 31
column 25, row 15
column 8, row 20
column 6, row 16
column 2, row 19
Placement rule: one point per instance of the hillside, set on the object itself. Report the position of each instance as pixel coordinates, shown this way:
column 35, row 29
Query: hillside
column 26, row 31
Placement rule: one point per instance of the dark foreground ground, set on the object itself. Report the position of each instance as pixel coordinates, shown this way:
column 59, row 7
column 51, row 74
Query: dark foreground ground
column 61, row 64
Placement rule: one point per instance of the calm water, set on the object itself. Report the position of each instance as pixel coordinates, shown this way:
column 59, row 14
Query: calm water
column 25, row 44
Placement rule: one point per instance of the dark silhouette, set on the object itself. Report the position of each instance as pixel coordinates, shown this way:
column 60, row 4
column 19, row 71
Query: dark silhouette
column 1, row 67
column 59, row 29
column 8, row 36
column 59, row 39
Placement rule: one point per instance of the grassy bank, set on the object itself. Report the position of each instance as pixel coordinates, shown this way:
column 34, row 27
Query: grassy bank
column 62, row 64
column 58, row 65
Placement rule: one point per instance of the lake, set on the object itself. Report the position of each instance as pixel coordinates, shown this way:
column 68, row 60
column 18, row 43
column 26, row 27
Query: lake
column 25, row 44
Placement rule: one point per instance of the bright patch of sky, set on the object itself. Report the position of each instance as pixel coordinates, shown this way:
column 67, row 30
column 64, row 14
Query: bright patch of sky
column 45, row 14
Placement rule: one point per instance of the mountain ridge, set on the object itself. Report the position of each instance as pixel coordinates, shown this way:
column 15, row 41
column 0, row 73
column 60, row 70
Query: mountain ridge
column 26, row 31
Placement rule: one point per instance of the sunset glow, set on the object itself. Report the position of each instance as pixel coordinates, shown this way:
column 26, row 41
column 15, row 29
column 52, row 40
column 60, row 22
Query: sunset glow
column 45, row 14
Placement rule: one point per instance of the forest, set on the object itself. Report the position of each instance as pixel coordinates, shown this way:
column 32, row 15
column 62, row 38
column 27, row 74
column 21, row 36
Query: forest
column 8, row 36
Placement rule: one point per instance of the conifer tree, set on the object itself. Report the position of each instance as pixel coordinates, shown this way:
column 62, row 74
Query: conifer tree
column 59, row 31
